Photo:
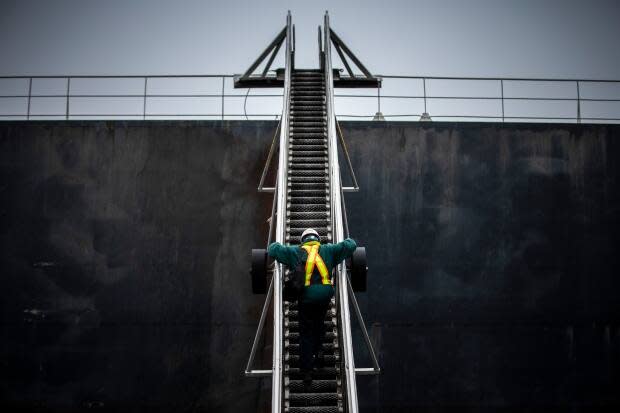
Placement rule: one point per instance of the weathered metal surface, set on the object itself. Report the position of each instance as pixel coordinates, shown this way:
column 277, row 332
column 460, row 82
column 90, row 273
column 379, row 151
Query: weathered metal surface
column 125, row 272
column 125, row 255
column 493, row 255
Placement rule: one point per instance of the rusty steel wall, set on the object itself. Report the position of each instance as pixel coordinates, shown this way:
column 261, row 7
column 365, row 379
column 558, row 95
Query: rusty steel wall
column 125, row 253
column 494, row 264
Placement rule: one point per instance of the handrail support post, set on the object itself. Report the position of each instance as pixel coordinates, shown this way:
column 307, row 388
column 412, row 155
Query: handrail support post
column 29, row 98
column 578, row 103
column 68, row 97
column 502, row 88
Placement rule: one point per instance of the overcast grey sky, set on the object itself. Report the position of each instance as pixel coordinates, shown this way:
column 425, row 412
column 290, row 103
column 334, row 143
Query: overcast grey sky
column 532, row 38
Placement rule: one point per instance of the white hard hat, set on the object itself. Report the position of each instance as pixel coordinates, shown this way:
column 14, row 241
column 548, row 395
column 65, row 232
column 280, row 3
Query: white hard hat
column 309, row 231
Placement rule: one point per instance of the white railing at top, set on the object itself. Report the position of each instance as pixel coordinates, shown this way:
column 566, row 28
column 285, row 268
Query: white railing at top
column 400, row 98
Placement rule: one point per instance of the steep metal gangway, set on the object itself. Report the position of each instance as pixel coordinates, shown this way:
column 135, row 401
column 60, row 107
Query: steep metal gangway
column 308, row 193
column 308, row 176
column 308, row 206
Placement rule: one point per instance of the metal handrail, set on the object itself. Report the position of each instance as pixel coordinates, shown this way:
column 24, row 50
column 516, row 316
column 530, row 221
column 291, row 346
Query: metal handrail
column 276, row 381
column 73, row 100
column 272, row 148
column 375, row 363
column 337, row 227
column 517, row 79
column 278, row 211
column 355, row 187
column 249, row 372
column 385, row 76
column 375, row 369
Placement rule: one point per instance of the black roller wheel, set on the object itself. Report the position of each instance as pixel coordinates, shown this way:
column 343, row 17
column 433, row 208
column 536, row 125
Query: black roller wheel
column 259, row 271
column 359, row 269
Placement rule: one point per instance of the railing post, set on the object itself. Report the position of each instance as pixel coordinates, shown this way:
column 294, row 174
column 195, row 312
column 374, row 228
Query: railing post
column 29, row 98
column 146, row 79
column 578, row 104
column 502, row 87
column 68, row 93
column 424, row 85
column 223, row 80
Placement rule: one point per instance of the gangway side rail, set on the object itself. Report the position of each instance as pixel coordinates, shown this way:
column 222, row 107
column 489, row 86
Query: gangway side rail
column 274, row 145
column 272, row 148
column 276, row 381
column 375, row 369
column 355, row 187
column 249, row 372
column 337, row 227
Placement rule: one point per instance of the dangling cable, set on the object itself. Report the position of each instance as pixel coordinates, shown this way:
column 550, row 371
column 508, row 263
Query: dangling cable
column 244, row 103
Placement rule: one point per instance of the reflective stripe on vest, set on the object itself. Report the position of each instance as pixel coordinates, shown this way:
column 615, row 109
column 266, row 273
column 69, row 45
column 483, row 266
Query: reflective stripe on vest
column 312, row 248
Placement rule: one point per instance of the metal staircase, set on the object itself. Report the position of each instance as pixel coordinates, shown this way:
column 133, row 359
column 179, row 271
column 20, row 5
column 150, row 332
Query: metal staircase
column 308, row 177
column 325, row 392
column 308, row 193
column 308, row 205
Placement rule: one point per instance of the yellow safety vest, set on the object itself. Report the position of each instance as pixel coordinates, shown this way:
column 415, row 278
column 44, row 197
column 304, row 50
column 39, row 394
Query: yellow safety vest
column 312, row 248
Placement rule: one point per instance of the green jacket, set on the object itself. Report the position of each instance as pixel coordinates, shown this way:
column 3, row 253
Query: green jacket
column 332, row 255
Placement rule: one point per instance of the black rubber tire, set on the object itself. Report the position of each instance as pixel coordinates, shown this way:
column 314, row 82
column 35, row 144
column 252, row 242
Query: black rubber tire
column 359, row 270
column 259, row 271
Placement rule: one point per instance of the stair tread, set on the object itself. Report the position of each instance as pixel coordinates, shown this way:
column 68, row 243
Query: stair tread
column 308, row 205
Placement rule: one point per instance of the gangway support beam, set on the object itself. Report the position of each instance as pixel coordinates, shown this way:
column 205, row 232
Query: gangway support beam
column 263, row 80
column 351, row 81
